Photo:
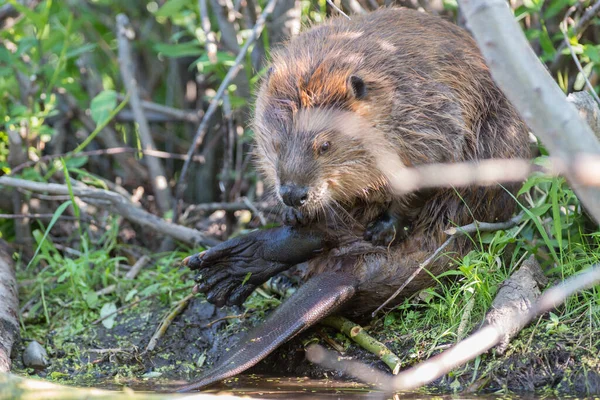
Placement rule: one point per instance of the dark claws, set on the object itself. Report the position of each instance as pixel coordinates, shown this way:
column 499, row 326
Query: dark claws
column 229, row 273
column 386, row 230
column 294, row 217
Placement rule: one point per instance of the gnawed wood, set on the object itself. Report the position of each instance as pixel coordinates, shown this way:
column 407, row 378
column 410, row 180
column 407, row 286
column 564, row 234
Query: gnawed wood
column 516, row 296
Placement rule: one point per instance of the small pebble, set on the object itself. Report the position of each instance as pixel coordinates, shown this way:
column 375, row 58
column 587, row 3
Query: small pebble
column 35, row 356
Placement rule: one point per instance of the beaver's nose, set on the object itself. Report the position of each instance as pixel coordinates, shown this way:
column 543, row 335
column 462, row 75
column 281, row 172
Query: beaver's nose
column 294, row 196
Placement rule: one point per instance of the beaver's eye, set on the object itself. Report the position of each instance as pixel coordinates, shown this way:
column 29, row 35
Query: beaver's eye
column 325, row 146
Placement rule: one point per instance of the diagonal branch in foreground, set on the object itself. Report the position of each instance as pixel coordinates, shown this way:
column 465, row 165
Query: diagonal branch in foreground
column 530, row 88
column 120, row 205
column 466, row 350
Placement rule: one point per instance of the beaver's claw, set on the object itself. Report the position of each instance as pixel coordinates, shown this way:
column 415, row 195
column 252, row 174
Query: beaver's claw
column 229, row 273
column 386, row 229
column 294, row 217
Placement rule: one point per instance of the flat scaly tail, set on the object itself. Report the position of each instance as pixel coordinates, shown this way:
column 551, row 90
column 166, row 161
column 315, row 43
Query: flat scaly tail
column 313, row 301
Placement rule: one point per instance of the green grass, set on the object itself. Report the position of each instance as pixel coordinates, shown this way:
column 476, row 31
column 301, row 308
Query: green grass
column 61, row 288
column 553, row 229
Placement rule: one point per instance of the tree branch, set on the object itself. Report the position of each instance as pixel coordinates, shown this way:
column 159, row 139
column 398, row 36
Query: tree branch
column 528, row 85
column 157, row 173
column 464, row 351
column 214, row 103
column 9, row 306
column 120, row 205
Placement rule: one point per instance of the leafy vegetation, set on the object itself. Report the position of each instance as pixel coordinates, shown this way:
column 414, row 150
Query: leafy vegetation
column 62, row 96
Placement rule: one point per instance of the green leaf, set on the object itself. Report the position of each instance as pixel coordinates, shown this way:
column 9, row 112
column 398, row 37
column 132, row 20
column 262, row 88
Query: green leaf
column 130, row 295
column 201, row 360
column 5, row 55
column 91, row 298
column 38, row 20
column 546, row 43
column 103, row 105
column 61, row 209
column 107, row 309
column 248, row 275
column 76, row 162
column 555, row 7
column 170, row 8
column 592, row 52
column 580, row 80
column 174, row 50
column 100, row 127
column 556, row 214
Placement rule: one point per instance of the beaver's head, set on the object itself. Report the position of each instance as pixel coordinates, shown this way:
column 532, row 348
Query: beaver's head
column 317, row 158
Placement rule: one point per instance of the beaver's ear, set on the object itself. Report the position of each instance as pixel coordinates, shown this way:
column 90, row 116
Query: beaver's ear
column 357, row 87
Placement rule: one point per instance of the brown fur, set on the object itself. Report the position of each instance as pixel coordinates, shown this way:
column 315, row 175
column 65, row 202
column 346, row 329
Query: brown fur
column 429, row 98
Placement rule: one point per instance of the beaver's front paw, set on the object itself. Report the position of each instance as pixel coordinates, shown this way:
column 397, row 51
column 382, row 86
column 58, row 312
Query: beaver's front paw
column 294, row 217
column 229, row 273
column 386, row 230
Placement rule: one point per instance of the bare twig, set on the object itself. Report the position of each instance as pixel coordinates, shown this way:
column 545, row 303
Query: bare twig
column 157, row 173
column 229, row 143
column 229, row 207
column 110, row 151
column 239, row 316
column 336, row 8
column 107, row 290
column 527, row 84
column 9, row 306
column 255, row 210
column 211, row 40
column 171, row 112
column 364, row 340
column 137, row 267
column 354, row 6
column 564, row 28
column 166, row 322
column 588, row 109
column 214, row 103
column 516, row 294
column 18, row 155
column 464, row 351
column 581, row 26
column 454, row 233
column 227, row 26
column 120, row 205
column 285, row 21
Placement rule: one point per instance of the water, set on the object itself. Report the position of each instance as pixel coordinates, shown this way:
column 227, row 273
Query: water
column 265, row 387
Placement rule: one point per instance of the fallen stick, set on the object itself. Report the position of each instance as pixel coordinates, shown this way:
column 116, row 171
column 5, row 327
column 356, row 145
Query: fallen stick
column 364, row 340
column 120, row 205
column 9, row 306
column 166, row 322
column 158, row 176
column 464, row 351
column 112, row 151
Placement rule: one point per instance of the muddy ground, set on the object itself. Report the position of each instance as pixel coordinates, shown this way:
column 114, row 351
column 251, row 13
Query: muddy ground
column 114, row 358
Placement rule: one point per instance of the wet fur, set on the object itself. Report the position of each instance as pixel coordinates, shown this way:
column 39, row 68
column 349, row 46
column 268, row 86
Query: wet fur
column 429, row 98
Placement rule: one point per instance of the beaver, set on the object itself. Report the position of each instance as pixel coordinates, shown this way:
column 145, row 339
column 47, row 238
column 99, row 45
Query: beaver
column 343, row 105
